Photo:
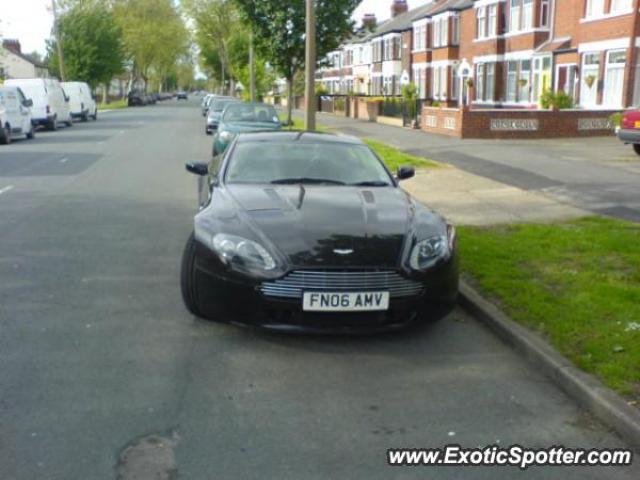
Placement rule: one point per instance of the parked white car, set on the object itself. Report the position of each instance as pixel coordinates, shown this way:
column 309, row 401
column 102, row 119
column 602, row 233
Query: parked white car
column 15, row 115
column 50, row 103
column 81, row 102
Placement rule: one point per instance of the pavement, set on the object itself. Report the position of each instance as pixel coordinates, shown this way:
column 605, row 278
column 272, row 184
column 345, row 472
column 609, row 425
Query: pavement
column 104, row 373
column 534, row 180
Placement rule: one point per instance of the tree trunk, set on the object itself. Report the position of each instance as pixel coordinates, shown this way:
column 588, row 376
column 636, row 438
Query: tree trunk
column 290, row 99
column 105, row 93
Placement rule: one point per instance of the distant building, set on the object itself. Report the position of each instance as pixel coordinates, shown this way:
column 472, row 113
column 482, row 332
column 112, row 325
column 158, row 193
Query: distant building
column 15, row 64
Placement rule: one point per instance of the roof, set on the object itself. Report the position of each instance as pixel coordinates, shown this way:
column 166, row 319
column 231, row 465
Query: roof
column 555, row 45
column 405, row 20
column 285, row 136
column 26, row 58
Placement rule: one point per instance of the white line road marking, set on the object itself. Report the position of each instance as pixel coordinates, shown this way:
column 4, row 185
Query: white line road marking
column 64, row 160
column 6, row 189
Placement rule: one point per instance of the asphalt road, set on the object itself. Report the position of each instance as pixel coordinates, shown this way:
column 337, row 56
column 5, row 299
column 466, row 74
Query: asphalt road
column 97, row 351
column 598, row 174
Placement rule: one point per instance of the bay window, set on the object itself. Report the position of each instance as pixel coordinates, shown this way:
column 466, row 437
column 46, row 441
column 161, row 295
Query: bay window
column 440, row 32
column 481, row 19
column 545, row 13
column 455, row 30
column 514, row 15
column 492, row 24
column 485, row 82
column 589, row 79
column 620, row 6
column 594, row 8
column 614, row 78
column 524, row 81
column 512, row 81
column 521, row 15
column 420, row 37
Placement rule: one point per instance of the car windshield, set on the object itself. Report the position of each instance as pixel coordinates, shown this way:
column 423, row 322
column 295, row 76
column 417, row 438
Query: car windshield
column 310, row 163
column 250, row 113
column 218, row 105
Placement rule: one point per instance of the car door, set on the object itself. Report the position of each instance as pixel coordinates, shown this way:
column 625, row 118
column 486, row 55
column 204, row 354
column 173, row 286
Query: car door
column 12, row 109
column 25, row 112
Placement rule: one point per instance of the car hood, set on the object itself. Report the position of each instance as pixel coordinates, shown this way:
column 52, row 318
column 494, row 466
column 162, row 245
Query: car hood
column 242, row 127
column 329, row 226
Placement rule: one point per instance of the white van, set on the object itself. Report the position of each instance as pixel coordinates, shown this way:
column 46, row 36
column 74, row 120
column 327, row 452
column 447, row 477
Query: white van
column 81, row 102
column 50, row 104
column 15, row 115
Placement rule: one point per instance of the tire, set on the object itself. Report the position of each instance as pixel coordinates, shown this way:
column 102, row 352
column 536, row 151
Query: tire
column 69, row 123
column 85, row 117
column 32, row 133
column 95, row 115
column 53, row 125
column 5, row 136
column 636, row 148
column 188, row 279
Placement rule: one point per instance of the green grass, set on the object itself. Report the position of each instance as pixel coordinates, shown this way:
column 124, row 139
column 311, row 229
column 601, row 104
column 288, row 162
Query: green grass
column 395, row 158
column 577, row 283
column 112, row 105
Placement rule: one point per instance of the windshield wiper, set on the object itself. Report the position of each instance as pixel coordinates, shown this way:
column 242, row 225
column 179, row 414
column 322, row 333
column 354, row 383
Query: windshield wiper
column 371, row 183
column 293, row 181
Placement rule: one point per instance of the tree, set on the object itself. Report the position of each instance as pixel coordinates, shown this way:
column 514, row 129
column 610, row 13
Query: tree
column 154, row 35
column 279, row 27
column 91, row 43
column 216, row 21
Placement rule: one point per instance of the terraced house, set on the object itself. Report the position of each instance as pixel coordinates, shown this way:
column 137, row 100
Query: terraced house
column 503, row 54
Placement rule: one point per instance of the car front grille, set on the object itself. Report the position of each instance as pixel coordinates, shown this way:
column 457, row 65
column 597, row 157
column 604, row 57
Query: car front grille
column 296, row 282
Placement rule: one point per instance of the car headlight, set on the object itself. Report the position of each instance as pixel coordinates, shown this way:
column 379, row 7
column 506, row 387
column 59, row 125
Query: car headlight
column 244, row 252
column 227, row 136
column 427, row 252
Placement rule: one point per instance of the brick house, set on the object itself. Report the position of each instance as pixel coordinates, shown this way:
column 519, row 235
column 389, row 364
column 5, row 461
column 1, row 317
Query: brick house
column 498, row 53
column 15, row 64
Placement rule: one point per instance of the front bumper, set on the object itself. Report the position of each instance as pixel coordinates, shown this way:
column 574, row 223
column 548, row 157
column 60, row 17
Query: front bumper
column 225, row 297
column 46, row 121
column 629, row 135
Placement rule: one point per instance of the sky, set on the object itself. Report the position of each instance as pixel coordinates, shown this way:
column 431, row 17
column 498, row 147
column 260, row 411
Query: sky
column 30, row 20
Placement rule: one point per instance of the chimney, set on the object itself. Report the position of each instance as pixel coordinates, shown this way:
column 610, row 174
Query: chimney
column 369, row 22
column 399, row 7
column 12, row 45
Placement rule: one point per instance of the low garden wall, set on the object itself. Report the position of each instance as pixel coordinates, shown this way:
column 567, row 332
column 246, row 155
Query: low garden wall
column 517, row 124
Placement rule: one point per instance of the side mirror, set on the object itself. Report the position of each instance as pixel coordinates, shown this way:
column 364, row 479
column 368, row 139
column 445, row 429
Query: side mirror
column 405, row 172
column 66, row 99
column 27, row 103
column 198, row 168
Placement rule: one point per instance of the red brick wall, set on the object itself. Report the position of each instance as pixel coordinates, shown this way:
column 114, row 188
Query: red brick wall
column 550, row 124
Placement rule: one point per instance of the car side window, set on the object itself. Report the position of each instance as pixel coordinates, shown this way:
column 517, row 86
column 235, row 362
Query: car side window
column 21, row 97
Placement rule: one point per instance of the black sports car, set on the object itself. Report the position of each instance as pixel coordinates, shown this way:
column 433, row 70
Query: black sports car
column 311, row 232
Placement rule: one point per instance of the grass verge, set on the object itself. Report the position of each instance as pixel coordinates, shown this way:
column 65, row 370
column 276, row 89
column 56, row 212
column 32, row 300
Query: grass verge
column 395, row 158
column 576, row 282
column 113, row 105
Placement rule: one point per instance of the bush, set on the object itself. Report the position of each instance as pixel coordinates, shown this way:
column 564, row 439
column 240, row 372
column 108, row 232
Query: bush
column 555, row 100
column 616, row 119
column 340, row 104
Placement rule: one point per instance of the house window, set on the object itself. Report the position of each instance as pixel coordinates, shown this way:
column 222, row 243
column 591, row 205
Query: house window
column 420, row 80
column 455, row 30
column 420, row 38
column 492, row 23
column 541, row 79
column 439, row 83
column 521, row 15
column 594, row 8
column 512, row 81
column 440, row 32
column 589, row 81
column 485, row 81
column 614, row 78
column 524, row 81
column 514, row 15
column 480, row 90
column 481, row 22
column 566, row 80
column 544, row 13
column 619, row 6
column 455, row 81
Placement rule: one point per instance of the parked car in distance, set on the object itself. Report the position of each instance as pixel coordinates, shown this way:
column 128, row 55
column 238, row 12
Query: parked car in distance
column 629, row 131
column 240, row 117
column 182, row 95
column 15, row 115
column 50, row 102
column 81, row 101
column 310, row 232
column 216, row 107
column 205, row 103
column 136, row 98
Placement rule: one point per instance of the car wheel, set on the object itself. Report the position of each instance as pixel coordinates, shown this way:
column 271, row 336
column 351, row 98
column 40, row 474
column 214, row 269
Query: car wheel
column 53, row 125
column 32, row 133
column 636, row 148
column 69, row 123
column 95, row 115
column 5, row 136
column 85, row 117
column 188, row 279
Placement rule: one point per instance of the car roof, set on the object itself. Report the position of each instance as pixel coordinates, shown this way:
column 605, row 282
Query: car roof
column 284, row 136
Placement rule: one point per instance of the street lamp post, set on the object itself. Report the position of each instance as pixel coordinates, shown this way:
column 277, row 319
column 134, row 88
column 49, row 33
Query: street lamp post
column 56, row 28
column 310, row 70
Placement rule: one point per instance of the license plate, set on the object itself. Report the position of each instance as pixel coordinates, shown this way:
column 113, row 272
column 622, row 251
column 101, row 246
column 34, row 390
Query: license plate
column 345, row 302
column 637, row 124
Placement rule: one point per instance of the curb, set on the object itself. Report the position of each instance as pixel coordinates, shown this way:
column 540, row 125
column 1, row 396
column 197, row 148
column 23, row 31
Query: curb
column 586, row 390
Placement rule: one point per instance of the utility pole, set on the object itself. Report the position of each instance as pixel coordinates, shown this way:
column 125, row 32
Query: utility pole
column 310, row 70
column 252, row 68
column 56, row 29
